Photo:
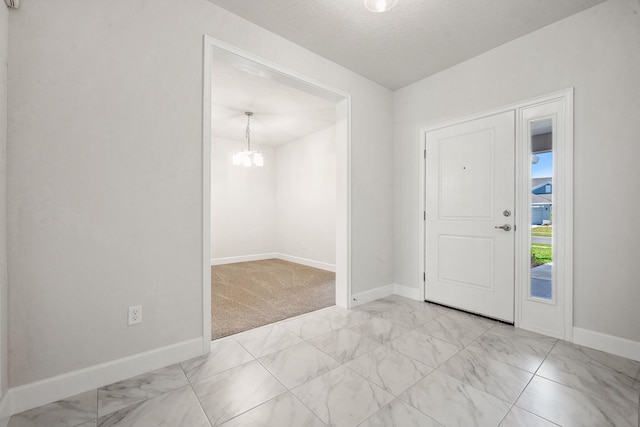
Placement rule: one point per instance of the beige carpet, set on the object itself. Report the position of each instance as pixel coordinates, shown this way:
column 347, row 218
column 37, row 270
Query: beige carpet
column 246, row 295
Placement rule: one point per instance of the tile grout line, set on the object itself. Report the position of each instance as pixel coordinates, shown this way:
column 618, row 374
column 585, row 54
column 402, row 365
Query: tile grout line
column 512, row 404
column 344, row 364
column 434, row 369
column 98, row 416
column 265, row 355
column 200, row 405
column 289, row 390
column 257, row 359
column 527, row 385
column 409, row 329
column 506, row 363
column 196, row 395
column 341, row 364
column 586, row 393
column 304, row 404
column 98, row 404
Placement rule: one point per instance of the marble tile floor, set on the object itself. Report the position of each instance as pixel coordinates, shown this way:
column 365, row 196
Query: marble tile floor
column 392, row 362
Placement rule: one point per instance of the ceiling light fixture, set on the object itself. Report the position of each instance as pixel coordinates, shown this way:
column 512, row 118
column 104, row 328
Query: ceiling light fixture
column 379, row 5
column 248, row 157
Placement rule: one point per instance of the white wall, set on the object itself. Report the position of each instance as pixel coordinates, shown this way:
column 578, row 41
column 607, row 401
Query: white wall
column 243, row 202
column 287, row 207
column 4, row 51
column 595, row 51
column 306, row 197
column 105, row 174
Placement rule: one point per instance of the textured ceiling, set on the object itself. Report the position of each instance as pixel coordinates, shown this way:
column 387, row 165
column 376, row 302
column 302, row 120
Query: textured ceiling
column 415, row 39
column 281, row 113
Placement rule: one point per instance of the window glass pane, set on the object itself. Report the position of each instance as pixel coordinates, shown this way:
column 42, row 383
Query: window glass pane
column 541, row 209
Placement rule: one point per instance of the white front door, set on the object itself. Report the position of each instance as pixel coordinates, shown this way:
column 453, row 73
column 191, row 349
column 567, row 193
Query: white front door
column 469, row 193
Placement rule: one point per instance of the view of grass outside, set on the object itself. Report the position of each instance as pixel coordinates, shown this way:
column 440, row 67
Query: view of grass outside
column 544, row 231
column 542, row 158
column 541, row 253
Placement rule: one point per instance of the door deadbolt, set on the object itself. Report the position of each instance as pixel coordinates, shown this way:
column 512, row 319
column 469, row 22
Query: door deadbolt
column 505, row 227
column 506, row 212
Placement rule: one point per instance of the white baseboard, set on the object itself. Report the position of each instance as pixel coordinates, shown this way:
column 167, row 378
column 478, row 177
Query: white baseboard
column 407, row 292
column 372, row 295
column 308, row 262
column 259, row 257
column 5, row 409
column 385, row 291
column 609, row 343
column 539, row 330
column 242, row 258
column 52, row 389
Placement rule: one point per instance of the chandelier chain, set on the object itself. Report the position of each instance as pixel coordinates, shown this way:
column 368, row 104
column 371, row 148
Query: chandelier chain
column 248, row 131
column 248, row 157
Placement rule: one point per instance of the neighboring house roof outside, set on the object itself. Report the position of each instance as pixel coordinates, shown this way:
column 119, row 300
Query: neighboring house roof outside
column 541, row 199
column 540, row 182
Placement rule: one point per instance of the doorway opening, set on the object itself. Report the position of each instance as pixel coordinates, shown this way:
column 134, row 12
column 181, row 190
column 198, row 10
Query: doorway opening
column 285, row 223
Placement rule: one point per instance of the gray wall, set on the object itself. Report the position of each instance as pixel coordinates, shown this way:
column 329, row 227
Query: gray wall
column 596, row 52
column 288, row 206
column 4, row 38
column 105, row 174
column 243, row 207
column 306, row 197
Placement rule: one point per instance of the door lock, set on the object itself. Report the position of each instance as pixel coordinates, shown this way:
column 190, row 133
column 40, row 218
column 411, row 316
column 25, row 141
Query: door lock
column 506, row 212
column 505, row 227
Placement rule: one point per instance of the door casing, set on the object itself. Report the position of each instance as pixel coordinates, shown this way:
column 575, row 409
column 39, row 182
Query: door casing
column 563, row 187
column 213, row 48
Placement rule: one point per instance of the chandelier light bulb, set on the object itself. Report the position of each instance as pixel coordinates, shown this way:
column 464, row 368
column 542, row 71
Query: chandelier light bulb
column 258, row 160
column 237, row 159
column 247, row 160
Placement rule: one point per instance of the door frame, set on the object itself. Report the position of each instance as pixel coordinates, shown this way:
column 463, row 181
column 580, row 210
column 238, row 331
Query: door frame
column 214, row 48
column 563, row 184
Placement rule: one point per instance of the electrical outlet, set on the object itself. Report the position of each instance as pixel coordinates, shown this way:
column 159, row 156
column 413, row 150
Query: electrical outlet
column 135, row 314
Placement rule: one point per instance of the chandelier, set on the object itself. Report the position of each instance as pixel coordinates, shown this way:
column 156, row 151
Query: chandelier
column 248, row 157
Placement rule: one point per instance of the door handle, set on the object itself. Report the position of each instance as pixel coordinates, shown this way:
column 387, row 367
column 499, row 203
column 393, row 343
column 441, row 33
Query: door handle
column 505, row 227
